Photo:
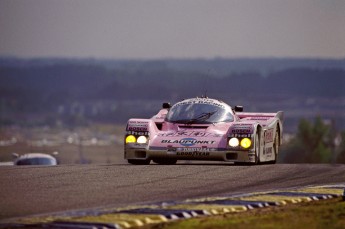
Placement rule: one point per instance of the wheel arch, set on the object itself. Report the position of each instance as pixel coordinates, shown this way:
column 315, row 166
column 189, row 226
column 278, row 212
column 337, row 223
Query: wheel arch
column 259, row 133
column 259, row 130
column 279, row 130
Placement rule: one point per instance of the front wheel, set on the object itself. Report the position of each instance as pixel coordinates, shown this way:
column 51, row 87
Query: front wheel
column 276, row 146
column 257, row 149
column 165, row 161
column 139, row 162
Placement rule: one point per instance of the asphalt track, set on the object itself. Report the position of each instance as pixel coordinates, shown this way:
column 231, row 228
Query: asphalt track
column 37, row 190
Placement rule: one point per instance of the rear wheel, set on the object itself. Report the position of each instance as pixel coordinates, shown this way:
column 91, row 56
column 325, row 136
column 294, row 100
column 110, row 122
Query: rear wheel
column 139, row 162
column 165, row 161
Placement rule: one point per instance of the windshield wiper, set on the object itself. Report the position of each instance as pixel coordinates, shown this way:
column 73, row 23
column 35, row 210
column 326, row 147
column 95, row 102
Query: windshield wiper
column 202, row 117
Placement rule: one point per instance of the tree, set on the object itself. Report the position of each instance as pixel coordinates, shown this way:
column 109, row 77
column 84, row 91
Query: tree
column 341, row 152
column 313, row 143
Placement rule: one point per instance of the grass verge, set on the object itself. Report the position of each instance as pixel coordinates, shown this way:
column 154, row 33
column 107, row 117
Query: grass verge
column 317, row 214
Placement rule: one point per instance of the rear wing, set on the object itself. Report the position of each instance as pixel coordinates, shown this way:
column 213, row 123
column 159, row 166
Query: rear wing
column 260, row 116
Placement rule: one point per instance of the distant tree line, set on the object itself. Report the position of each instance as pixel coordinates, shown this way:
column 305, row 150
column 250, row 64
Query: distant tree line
column 315, row 142
column 41, row 89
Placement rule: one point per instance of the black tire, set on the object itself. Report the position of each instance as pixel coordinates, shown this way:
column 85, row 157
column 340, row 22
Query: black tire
column 139, row 162
column 276, row 145
column 165, row 161
column 257, row 149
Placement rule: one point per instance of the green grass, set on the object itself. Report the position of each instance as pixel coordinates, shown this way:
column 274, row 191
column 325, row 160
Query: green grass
column 317, row 214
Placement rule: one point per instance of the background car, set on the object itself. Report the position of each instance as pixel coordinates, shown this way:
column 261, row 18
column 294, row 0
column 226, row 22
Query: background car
column 35, row 159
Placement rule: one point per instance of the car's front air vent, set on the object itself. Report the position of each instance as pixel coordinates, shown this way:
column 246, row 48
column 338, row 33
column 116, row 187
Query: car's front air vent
column 231, row 156
column 193, row 127
column 140, row 154
column 159, row 126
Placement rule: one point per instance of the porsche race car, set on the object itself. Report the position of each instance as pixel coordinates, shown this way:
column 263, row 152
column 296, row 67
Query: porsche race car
column 204, row 129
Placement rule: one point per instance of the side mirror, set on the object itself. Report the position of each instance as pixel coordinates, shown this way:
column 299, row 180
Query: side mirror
column 238, row 108
column 166, row 106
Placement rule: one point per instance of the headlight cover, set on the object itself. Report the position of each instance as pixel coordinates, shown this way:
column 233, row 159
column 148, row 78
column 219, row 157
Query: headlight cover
column 142, row 140
column 234, row 142
column 130, row 139
column 136, row 139
column 246, row 143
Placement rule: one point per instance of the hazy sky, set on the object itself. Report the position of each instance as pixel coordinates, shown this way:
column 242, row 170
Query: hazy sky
column 172, row 28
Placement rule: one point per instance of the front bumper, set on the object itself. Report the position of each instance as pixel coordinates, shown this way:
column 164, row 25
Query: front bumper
column 133, row 151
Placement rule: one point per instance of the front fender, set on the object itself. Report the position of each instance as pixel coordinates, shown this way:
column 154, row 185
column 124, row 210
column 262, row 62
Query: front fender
column 140, row 126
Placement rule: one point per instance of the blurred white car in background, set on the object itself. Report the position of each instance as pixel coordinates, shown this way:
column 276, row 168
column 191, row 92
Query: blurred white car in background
column 35, row 159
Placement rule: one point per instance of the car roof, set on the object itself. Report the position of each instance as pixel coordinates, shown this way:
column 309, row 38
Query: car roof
column 36, row 155
column 205, row 100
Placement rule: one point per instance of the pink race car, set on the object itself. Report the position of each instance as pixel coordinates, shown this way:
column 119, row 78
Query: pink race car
column 204, row 129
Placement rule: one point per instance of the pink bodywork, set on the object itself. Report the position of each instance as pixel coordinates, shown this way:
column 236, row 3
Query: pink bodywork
column 164, row 136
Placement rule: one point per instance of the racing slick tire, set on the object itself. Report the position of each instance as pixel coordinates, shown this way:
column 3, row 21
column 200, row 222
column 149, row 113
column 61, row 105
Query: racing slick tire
column 165, row 161
column 276, row 146
column 139, row 162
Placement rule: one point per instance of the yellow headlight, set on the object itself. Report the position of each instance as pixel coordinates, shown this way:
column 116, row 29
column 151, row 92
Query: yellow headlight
column 246, row 143
column 234, row 142
column 130, row 139
column 142, row 140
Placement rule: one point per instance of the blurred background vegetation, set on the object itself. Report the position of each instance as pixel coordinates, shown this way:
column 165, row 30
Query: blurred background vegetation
column 315, row 142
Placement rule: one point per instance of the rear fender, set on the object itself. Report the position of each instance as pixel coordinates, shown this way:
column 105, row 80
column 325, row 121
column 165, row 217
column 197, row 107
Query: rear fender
column 267, row 120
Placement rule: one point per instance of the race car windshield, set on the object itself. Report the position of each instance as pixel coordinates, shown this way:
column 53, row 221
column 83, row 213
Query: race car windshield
column 198, row 114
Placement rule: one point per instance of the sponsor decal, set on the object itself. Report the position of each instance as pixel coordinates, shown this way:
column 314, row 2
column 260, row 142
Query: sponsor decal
column 242, row 124
column 242, row 129
column 186, row 134
column 269, row 135
column 138, row 123
column 188, row 141
column 199, row 149
column 259, row 118
column 193, row 154
column 146, row 133
column 240, row 136
column 268, row 151
column 137, row 126
column 131, row 128
column 200, row 101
